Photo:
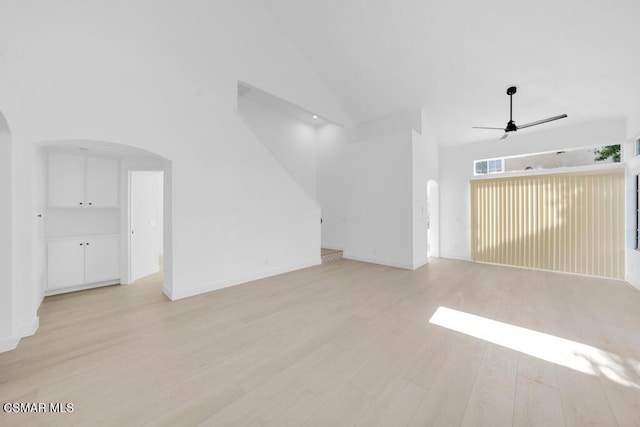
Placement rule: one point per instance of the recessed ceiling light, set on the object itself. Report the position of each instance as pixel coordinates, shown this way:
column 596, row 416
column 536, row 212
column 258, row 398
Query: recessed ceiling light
column 315, row 117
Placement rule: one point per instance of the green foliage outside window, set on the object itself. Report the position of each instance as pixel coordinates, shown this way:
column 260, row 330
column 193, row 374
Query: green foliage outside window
column 609, row 151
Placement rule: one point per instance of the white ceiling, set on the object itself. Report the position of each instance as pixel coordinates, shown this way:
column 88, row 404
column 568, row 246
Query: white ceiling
column 456, row 58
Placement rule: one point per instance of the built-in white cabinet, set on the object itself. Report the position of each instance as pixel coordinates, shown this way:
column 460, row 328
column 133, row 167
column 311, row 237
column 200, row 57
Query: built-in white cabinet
column 101, row 260
column 65, row 259
column 81, row 181
column 81, row 262
column 102, row 182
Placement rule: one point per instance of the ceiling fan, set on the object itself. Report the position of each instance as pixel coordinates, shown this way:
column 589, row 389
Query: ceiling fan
column 511, row 125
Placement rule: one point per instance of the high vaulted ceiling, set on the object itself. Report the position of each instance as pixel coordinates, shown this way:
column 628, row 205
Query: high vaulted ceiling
column 456, row 58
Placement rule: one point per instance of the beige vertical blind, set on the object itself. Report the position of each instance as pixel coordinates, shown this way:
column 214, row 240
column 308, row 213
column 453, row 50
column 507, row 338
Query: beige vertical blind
column 572, row 222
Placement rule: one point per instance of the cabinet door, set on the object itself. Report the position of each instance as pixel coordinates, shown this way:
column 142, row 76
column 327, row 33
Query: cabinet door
column 65, row 264
column 101, row 260
column 66, row 180
column 102, row 182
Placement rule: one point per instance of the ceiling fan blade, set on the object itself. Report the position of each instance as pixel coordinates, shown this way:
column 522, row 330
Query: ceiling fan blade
column 504, row 136
column 539, row 122
column 482, row 127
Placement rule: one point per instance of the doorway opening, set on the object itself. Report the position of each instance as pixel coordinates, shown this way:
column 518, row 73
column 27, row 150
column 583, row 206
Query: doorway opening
column 145, row 233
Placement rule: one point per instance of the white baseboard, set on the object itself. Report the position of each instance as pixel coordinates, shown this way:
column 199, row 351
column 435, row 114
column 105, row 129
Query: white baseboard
column 458, row 257
column 333, row 247
column 420, row 264
column 379, row 261
column 168, row 292
column 189, row 292
column 8, row 344
column 49, row 292
column 633, row 281
column 27, row 329
column 22, row 331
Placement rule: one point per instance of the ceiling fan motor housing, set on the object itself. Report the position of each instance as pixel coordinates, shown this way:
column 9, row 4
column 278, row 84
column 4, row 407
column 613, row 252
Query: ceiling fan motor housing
column 511, row 124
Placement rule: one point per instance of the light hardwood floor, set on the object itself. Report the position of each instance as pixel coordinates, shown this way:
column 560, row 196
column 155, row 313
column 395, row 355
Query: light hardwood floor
column 344, row 343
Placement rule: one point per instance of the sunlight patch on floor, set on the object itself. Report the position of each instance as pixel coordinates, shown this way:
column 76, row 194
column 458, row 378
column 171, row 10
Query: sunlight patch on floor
column 571, row 354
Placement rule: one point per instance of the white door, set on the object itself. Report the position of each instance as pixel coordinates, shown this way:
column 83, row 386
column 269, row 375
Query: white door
column 145, row 203
column 66, row 180
column 102, row 182
column 65, row 263
column 101, row 259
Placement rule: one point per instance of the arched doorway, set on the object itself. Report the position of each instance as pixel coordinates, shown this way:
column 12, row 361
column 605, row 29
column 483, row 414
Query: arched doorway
column 110, row 166
column 433, row 219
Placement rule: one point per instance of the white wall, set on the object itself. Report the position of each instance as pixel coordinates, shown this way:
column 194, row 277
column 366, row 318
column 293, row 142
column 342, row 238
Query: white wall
column 18, row 291
column 290, row 141
column 38, row 246
column 332, row 142
column 314, row 156
column 434, row 218
column 425, row 169
column 386, row 171
column 6, row 340
column 420, row 197
column 61, row 222
column 7, row 106
column 632, row 170
column 166, row 82
column 379, row 193
column 26, row 293
column 456, row 169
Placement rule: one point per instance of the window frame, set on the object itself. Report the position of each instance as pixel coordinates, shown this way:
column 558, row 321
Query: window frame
column 491, row 166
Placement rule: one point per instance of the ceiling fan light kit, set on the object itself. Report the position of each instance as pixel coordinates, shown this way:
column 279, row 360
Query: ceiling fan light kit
column 511, row 125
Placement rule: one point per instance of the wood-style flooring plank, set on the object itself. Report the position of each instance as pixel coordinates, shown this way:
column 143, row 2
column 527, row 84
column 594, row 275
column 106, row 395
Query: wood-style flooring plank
column 343, row 343
column 537, row 405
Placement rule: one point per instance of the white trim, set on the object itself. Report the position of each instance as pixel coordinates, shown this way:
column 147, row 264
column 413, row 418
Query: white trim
column 572, row 169
column 378, row 261
column 189, row 292
column 168, row 293
column 457, row 257
column 8, row 344
column 420, row 264
column 28, row 329
column 633, row 281
column 22, row 331
column 49, row 292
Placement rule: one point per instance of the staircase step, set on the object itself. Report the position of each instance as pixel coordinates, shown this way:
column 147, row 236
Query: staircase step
column 329, row 255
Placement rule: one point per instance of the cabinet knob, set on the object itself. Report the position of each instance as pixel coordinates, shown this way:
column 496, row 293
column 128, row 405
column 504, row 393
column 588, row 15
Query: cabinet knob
column 90, row 203
column 80, row 203
column 87, row 243
column 81, row 244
